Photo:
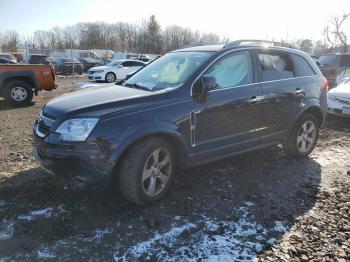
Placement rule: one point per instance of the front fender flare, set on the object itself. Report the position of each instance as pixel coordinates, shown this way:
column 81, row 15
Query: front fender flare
column 137, row 132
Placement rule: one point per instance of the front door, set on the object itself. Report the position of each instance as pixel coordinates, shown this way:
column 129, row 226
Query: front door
column 229, row 120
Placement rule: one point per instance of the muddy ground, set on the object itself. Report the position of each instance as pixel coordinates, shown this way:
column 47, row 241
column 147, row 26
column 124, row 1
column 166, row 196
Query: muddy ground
column 257, row 206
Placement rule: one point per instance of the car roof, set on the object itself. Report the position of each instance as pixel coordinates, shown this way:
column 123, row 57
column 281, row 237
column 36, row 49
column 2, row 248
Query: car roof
column 203, row 48
column 217, row 48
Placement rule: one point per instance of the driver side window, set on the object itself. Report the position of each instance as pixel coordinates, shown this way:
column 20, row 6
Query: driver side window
column 232, row 70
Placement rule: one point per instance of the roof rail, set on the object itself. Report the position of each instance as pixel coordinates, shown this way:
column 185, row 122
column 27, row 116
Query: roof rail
column 258, row 42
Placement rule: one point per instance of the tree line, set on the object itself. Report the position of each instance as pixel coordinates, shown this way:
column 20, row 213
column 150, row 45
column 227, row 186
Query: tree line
column 144, row 37
column 148, row 37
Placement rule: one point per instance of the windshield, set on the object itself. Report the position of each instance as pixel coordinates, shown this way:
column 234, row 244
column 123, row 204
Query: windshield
column 170, row 70
column 114, row 63
column 70, row 60
column 328, row 60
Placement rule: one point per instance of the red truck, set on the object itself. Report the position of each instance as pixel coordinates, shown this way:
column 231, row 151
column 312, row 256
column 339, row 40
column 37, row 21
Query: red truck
column 19, row 82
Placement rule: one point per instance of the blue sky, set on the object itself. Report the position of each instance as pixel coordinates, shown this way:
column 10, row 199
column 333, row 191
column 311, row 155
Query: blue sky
column 234, row 19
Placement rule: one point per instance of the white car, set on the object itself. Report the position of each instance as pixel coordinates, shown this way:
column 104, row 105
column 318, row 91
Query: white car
column 116, row 70
column 343, row 76
column 339, row 99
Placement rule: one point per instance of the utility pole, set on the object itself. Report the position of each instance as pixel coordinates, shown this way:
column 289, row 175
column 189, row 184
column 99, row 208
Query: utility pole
column 71, row 55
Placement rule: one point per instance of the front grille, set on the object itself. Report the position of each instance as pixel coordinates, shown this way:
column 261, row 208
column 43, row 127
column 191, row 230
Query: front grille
column 43, row 128
column 45, row 122
column 47, row 115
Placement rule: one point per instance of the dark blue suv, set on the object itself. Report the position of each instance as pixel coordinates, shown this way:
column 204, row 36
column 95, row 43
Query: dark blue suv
column 189, row 107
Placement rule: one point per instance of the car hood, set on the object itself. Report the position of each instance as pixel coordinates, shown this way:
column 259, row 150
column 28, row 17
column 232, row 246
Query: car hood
column 99, row 68
column 96, row 101
column 343, row 90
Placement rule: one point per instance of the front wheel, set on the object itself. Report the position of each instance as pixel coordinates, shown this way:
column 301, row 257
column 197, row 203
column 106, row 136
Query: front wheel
column 110, row 77
column 147, row 171
column 304, row 135
column 18, row 93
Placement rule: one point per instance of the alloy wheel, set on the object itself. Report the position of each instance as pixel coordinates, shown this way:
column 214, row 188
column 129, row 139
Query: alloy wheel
column 19, row 93
column 110, row 78
column 156, row 172
column 306, row 136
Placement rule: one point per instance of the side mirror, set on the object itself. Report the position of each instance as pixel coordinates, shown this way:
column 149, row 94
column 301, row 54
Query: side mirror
column 119, row 66
column 202, row 87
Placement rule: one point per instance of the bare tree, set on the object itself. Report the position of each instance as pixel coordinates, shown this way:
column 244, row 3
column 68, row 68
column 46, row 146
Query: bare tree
column 338, row 22
column 329, row 37
column 11, row 40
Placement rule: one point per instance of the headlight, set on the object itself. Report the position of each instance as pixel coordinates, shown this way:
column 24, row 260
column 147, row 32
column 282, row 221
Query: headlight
column 99, row 71
column 331, row 96
column 77, row 129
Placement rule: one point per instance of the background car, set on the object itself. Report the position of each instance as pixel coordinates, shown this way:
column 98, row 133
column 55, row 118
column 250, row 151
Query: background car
column 63, row 66
column 9, row 57
column 115, row 71
column 104, row 62
column 6, row 61
column 343, row 76
column 88, row 63
column 331, row 65
column 37, row 59
column 339, row 100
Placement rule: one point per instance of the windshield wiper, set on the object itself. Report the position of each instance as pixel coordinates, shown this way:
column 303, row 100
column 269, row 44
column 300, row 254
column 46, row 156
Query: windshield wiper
column 137, row 86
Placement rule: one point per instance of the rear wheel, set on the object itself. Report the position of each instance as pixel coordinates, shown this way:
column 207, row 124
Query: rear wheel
column 18, row 93
column 147, row 171
column 303, row 137
column 110, row 77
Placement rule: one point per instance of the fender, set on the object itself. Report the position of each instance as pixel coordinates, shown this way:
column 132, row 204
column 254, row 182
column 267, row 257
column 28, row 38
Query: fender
column 148, row 128
column 20, row 73
column 310, row 103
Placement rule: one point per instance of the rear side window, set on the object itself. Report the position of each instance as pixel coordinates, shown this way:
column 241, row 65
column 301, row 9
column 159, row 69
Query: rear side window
column 302, row 67
column 128, row 64
column 275, row 66
column 345, row 60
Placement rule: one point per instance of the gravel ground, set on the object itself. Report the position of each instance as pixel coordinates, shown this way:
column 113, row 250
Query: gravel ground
column 259, row 206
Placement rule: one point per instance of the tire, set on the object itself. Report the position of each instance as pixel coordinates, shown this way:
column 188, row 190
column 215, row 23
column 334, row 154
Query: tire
column 18, row 93
column 110, row 77
column 141, row 180
column 303, row 137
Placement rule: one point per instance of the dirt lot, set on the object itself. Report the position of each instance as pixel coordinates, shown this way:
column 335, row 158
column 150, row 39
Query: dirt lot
column 257, row 206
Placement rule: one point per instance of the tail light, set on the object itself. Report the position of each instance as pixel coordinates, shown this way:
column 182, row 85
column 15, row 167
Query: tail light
column 325, row 84
column 53, row 74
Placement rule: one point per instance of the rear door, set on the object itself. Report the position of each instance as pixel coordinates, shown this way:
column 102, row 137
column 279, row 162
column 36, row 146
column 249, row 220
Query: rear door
column 229, row 120
column 283, row 93
column 128, row 67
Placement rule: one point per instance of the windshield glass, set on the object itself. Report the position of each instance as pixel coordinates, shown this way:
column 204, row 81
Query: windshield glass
column 67, row 60
column 114, row 63
column 170, row 70
column 328, row 60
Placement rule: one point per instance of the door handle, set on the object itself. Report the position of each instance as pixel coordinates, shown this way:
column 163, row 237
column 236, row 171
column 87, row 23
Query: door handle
column 255, row 99
column 299, row 92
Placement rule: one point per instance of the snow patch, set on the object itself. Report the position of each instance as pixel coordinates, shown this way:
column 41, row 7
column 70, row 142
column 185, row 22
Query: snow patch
column 47, row 212
column 7, row 229
column 279, row 227
column 42, row 213
column 45, row 253
column 100, row 233
column 209, row 239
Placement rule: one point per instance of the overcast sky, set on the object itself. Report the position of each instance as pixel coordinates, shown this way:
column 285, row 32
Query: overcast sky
column 269, row 19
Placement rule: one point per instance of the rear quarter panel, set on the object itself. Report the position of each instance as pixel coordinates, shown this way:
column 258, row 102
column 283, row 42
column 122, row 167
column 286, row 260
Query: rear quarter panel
column 44, row 74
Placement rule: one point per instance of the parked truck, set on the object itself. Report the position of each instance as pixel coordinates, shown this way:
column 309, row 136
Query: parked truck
column 19, row 82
